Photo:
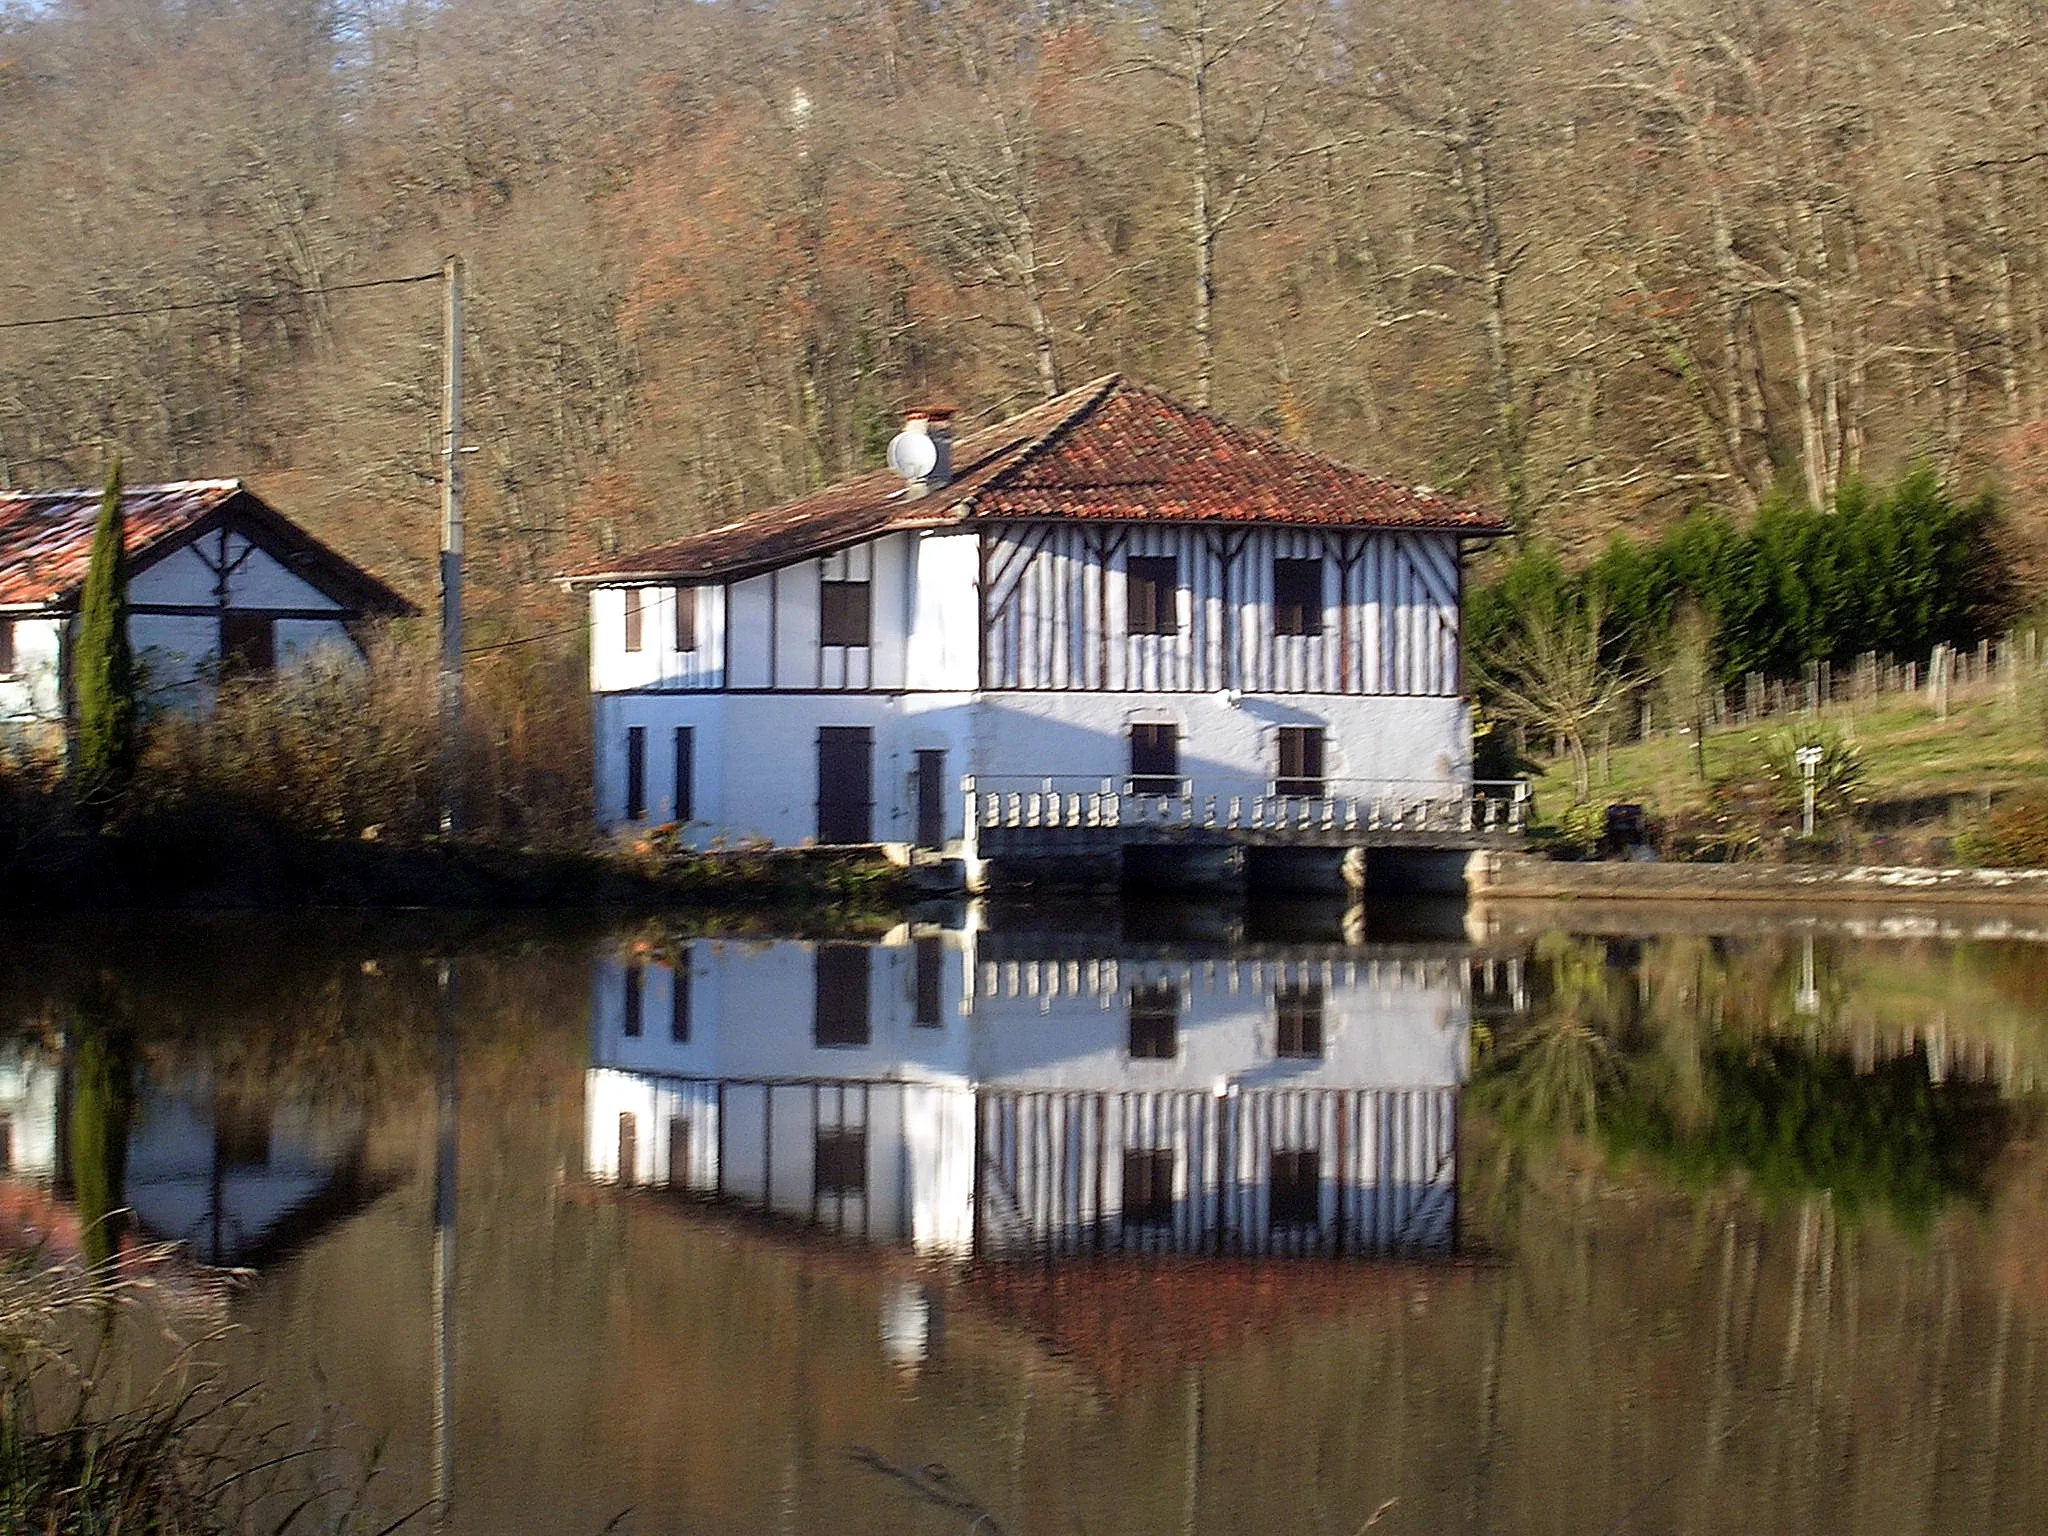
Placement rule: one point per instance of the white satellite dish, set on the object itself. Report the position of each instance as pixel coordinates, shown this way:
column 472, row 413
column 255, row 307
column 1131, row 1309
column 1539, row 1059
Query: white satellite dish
column 913, row 455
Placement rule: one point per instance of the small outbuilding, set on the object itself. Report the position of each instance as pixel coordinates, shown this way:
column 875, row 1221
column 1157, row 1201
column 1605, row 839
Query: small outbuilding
column 219, row 581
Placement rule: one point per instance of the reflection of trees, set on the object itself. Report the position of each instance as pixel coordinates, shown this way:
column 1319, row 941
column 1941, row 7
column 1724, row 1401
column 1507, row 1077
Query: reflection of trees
column 1795, row 1119
column 1690, row 1054
column 102, row 1109
column 1546, row 1078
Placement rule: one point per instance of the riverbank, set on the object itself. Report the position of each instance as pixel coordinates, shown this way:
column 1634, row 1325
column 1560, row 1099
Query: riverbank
column 79, row 871
column 1497, row 877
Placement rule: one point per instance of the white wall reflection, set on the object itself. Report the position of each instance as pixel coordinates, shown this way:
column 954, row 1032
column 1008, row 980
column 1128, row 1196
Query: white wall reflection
column 965, row 1092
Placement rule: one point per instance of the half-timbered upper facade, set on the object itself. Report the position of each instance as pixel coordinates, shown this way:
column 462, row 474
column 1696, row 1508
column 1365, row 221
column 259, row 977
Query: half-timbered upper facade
column 218, row 580
column 1111, row 588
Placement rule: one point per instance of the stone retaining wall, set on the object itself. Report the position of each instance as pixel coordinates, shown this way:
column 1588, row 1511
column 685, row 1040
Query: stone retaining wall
column 1500, row 876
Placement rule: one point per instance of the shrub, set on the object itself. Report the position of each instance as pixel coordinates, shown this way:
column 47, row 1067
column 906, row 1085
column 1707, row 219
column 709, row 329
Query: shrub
column 2013, row 836
column 334, row 748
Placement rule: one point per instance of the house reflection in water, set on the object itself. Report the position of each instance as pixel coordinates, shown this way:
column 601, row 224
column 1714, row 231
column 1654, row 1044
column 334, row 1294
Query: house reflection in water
column 978, row 1093
column 238, row 1180
column 242, row 1181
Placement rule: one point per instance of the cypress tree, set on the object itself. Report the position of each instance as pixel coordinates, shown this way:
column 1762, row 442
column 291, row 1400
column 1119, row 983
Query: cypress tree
column 103, row 671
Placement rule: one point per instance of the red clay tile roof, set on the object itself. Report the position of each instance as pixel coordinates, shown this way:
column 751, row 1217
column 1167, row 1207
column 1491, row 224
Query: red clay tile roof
column 1110, row 451
column 46, row 540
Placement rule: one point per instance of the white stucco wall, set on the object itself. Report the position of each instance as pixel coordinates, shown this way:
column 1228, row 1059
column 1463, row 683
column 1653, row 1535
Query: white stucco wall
column 757, row 764
column 34, row 689
column 255, row 579
column 29, row 1078
column 945, row 637
column 756, row 754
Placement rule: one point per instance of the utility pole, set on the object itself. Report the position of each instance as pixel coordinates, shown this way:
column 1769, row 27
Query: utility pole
column 451, row 536
column 444, row 1245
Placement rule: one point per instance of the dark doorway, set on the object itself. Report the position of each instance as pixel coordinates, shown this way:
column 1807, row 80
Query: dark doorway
column 846, row 784
column 840, row 1017
column 931, row 800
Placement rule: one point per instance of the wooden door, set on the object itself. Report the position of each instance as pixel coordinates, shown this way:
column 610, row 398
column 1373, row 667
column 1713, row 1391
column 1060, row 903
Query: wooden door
column 846, row 784
column 931, row 800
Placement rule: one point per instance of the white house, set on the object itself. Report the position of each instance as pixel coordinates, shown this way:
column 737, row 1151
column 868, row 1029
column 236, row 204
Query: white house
column 960, row 1092
column 218, row 580
column 1111, row 593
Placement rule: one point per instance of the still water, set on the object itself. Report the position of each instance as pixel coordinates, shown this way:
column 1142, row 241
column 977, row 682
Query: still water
column 1529, row 1219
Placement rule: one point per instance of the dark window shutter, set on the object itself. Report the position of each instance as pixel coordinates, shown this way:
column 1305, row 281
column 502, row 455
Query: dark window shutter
column 1299, row 1013
column 636, row 772
column 686, row 773
column 1155, row 1021
column 1301, row 761
column 1297, row 597
column 1155, row 760
column 6, row 646
column 843, row 613
column 840, row 1166
column 679, row 1000
column 931, row 974
column 1151, row 589
column 1148, row 1186
column 636, row 1000
column 686, row 618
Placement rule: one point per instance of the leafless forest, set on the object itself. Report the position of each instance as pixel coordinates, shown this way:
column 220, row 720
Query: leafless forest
column 1595, row 261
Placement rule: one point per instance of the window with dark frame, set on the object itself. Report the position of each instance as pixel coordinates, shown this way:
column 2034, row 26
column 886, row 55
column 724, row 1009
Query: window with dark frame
column 1296, row 1189
column 1297, row 597
column 6, row 1144
column 1151, row 595
column 6, row 647
column 1298, row 1007
column 248, row 642
column 931, row 975
column 636, row 1000
column 679, row 1001
column 840, row 1017
column 1148, row 1186
column 1155, row 1021
column 840, row 1166
column 686, row 618
column 686, row 773
column 1301, row 761
column 634, row 619
column 636, row 772
column 1155, row 760
column 843, row 617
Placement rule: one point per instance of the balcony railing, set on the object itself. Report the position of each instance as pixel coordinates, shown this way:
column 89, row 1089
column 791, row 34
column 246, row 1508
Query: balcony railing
column 1059, row 802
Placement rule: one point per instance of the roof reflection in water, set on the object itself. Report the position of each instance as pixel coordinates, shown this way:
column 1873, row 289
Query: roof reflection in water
column 979, row 1094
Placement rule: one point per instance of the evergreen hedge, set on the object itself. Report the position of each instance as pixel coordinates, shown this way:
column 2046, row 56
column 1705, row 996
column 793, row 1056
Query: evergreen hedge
column 1896, row 572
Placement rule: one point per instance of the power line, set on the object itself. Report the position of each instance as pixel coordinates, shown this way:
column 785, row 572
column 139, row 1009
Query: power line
column 506, row 645
column 234, row 303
